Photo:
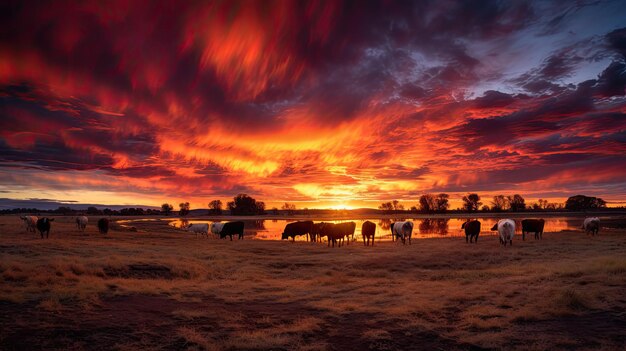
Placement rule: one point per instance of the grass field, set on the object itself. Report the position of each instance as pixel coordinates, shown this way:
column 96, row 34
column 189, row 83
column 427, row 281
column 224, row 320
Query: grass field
column 160, row 288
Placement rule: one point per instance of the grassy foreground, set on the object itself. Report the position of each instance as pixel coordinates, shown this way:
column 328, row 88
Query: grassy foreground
column 159, row 288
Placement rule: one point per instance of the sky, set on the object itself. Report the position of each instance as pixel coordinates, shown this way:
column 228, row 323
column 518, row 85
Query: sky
column 321, row 104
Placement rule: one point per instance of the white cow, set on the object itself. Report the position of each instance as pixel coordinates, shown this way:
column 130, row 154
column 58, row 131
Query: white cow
column 202, row 228
column 30, row 222
column 216, row 228
column 402, row 230
column 506, row 229
column 81, row 223
column 591, row 225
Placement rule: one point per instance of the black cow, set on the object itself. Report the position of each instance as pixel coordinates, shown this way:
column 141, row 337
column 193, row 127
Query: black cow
column 533, row 226
column 368, row 230
column 316, row 232
column 297, row 228
column 43, row 225
column 103, row 225
column 333, row 232
column 346, row 229
column 231, row 228
column 472, row 229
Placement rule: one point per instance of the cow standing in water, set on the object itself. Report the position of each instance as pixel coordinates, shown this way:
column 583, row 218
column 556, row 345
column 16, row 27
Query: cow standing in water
column 43, row 225
column 533, row 226
column 368, row 230
column 506, row 230
column 472, row 229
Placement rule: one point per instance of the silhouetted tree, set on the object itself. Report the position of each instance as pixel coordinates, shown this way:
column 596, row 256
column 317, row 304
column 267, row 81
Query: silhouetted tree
column 167, row 208
column 274, row 210
column 184, row 209
column 386, row 206
column 215, row 207
column 517, row 203
column 582, row 202
column 442, row 202
column 290, row 208
column 91, row 210
column 260, row 207
column 485, row 208
column 428, row 203
column 244, row 205
column 471, row 202
column 397, row 206
column 499, row 203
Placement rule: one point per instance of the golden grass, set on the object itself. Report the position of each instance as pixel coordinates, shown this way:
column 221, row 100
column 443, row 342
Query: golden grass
column 282, row 295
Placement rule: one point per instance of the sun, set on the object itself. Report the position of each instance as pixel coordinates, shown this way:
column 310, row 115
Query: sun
column 341, row 206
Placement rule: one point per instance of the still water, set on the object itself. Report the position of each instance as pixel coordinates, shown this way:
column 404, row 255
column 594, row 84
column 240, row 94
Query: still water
column 271, row 229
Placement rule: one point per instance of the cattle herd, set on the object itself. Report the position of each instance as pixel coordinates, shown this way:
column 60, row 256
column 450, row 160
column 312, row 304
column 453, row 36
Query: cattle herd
column 337, row 234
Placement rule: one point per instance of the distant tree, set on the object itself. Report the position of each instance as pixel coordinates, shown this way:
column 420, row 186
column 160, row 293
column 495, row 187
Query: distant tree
column 244, row 205
column 184, row 209
column 582, row 202
column 499, row 203
column 107, row 212
column 215, row 207
column 386, row 206
column 260, row 207
column 397, row 206
column 64, row 210
column 485, row 208
column 167, row 208
column 91, row 210
column 274, row 210
column 289, row 208
column 414, row 209
column 428, row 203
column 442, row 202
column 517, row 203
column 471, row 202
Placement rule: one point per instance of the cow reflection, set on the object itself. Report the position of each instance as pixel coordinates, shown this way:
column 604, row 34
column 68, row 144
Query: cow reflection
column 434, row 226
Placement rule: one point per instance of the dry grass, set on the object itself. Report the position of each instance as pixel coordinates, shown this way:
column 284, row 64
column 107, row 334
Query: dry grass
column 222, row 295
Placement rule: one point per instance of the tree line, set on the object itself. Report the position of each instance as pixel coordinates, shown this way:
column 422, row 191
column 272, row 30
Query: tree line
column 439, row 203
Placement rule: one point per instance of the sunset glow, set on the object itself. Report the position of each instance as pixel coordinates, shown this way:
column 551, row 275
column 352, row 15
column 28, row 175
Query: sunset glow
column 323, row 104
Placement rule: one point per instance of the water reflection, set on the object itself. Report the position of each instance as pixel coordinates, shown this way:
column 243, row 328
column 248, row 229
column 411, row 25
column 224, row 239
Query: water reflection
column 424, row 228
column 434, row 226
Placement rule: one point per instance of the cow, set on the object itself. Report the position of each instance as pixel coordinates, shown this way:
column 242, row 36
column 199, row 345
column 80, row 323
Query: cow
column 81, row 223
column 347, row 229
column 231, row 228
column 103, row 225
column 30, row 222
column 202, row 228
column 316, row 232
column 368, row 230
column 402, row 230
column 533, row 226
column 472, row 229
column 591, row 225
column 43, row 225
column 297, row 228
column 506, row 230
column 333, row 232
column 216, row 227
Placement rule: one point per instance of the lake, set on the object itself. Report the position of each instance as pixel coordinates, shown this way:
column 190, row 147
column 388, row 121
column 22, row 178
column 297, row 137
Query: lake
column 271, row 229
